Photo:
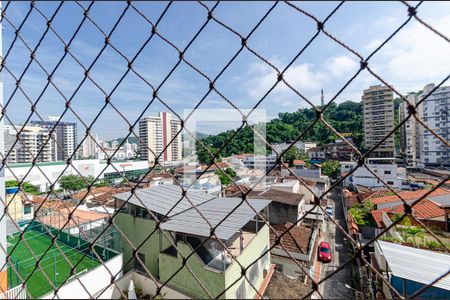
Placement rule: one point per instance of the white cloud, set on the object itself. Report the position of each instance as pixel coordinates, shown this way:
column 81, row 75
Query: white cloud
column 415, row 56
column 307, row 78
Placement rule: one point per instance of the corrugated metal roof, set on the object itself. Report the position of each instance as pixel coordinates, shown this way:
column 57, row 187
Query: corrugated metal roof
column 191, row 222
column 417, row 264
column 162, row 198
column 442, row 201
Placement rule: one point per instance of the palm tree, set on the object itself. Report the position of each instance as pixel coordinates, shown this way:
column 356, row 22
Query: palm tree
column 414, row 232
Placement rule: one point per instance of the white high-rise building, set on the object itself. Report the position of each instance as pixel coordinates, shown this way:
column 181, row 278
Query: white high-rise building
column 90, row 146
column 28, row 147
column 378, row 105
column 410, row 137
column 156, row 133
column 436, row 115
column 66, row 135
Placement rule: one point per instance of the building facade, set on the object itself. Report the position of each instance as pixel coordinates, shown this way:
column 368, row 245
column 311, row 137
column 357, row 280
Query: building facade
column 90, row 146
column 436, row 116
column 156, row 135
column 410, row 137
column 66, row 136
column 378, row 105
column 34, row 142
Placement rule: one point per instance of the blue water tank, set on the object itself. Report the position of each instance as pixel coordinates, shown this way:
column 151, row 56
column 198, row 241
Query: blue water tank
column 11, row 190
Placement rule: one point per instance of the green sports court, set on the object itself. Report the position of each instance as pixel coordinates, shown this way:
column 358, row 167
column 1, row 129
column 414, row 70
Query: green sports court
column 53, row 262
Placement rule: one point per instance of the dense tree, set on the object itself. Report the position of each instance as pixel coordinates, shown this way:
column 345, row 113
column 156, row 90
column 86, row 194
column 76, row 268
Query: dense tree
column 26, row 186
column 227, row 176
column 347, row 117
column 331, row 168
column 73, row 183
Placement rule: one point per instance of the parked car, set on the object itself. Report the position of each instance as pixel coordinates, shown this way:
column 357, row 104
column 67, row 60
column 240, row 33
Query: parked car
column 329, row 210
column 325, row 252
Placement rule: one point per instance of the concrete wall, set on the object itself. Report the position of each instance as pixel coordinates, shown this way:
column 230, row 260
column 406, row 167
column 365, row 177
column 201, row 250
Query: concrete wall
column 146, row 284
column 290, row 268
column 253, row 250
column 214, row 281
column 94, row 281
column 280, row 213
column 137, row 230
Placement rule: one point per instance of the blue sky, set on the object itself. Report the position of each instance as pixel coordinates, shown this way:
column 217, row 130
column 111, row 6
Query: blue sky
column 412, row 59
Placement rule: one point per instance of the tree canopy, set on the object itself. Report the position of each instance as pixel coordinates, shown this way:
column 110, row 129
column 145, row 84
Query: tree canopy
column 26, row 186
column 346, row 117
column 227, row 176
column 73, row 183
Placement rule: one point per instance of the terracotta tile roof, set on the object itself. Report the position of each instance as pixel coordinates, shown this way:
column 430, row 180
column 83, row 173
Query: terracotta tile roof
column 377, row 216
column 409, row 195
column 423, row 210
column 298, row 162
column 296, row 240
column 353, row 227
column 94, row 191
column 101, row 195
column 277, row 196
column 283, row 287
column 59, row 219
column 155, row 175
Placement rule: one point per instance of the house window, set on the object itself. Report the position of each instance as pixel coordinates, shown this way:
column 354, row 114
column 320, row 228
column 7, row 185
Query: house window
column 279, row 268
column 387, row 172
column 390, row 182
column 27, row 210
column 240, row 292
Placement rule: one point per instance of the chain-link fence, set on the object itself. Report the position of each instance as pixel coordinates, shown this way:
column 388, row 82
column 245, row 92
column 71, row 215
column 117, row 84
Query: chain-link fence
column 92, row 238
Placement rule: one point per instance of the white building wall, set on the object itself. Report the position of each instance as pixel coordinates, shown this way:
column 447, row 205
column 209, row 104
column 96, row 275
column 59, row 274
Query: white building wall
column 436, row 115
column 86, row 167
column 93, row 281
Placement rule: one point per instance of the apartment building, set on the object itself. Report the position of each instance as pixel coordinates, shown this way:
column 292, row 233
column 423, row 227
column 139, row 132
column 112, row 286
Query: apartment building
column 29, row 144
column 436, row 116
column 155, row 134
column 410, row 137
column 66, row 136
column 218, row 259
column 90, row 146
column 378, row 105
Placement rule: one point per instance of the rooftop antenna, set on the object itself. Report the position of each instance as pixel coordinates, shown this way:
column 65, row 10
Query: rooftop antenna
column 322, row 101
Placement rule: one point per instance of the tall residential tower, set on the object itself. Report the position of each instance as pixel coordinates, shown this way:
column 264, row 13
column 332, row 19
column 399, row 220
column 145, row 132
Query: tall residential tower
column 66, row 136
column 436, row 115
column 378, row 105
column 156, row 133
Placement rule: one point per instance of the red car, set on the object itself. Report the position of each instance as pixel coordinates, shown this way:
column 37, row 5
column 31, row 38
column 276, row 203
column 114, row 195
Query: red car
column 324, row 252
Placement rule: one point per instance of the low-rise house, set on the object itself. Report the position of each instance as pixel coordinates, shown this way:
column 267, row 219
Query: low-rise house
column 443, row 202
column 285, row 206
column 299, row 243
column 19, row 205
column 428, row 212
column 339, row 150
column 388, row 199
column 409, row 269
column 186, row 228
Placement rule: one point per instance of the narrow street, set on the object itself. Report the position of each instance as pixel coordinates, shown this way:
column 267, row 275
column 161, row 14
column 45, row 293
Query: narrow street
column 334, row 287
